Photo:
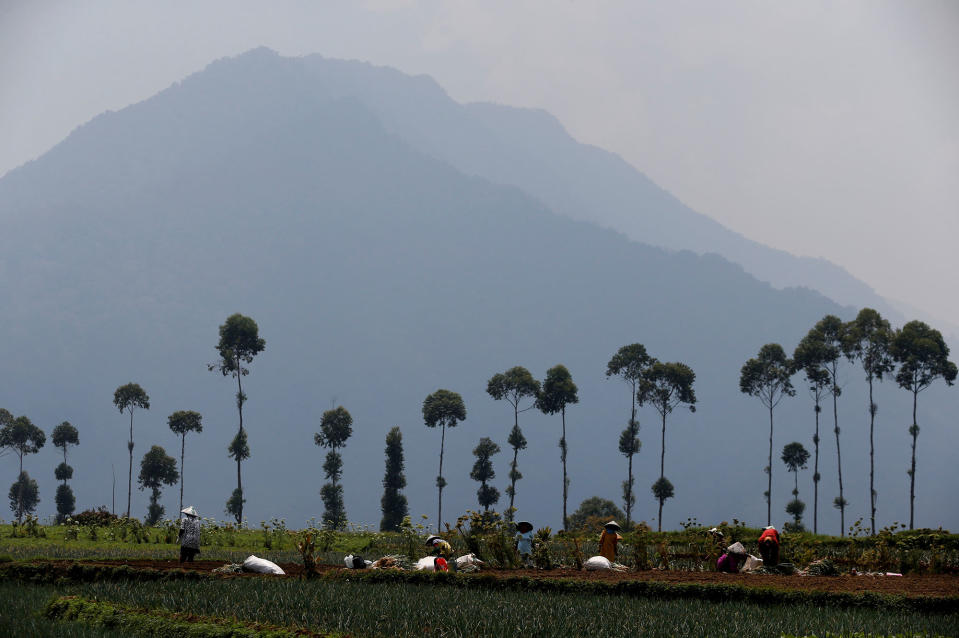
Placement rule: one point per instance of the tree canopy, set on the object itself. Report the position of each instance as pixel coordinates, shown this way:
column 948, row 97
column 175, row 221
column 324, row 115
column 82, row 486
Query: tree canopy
column 594, row 508
column 183, row 421
column 240, row 341
column 443, row 408
column 131, row 396
column 667, row 385
column 65, row 434
column 558, row 391
column 336, row 427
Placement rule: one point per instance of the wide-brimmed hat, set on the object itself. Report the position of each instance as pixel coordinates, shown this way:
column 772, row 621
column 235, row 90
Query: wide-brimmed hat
column 769, row 527
column 612, row 524
column 189, row 511
column 433, row 537
column 736, row 548
column 524, row 526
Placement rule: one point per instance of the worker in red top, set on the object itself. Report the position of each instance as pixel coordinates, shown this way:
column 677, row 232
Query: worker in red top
column 769, row 546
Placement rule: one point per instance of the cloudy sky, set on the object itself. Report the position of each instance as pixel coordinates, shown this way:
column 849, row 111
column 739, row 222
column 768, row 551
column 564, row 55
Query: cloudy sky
column 824, row 128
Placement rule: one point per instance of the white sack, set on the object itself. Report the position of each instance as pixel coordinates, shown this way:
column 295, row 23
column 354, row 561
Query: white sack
column 425, row 564
column 598, row 562
column 752, row 563
column 261, row 566
column 468, row 559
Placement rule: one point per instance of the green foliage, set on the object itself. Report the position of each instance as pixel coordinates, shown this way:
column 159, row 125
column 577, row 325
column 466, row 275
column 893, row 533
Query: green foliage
column 234, row 504
column 183, row 421
column 335, row 429
column 393, row 504
column 22, row 436
column 130, row 397
column 483, row 472
column 24, row 496
column 334, row 514
column 63, row 472
column 795, row 456
column 513, row 385
column 662, row 489
column 239, row 342
column 156, row 469
column 65, row 500
column 65, row 435
column 558, row 391
column 592, row 510
column 923, row 357
column 443, row 408
column 667, row 385
column 238, row 449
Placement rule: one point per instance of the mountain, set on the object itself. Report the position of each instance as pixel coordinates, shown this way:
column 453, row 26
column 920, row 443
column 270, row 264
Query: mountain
column 379, row 272
column 530, row 149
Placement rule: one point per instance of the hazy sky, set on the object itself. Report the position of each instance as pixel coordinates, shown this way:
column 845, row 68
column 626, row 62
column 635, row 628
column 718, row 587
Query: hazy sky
column 824, row 128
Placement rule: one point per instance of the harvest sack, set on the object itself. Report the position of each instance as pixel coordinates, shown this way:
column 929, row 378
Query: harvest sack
column 425, row 564
column 598, row 562
column 356, row 562
column 261, row 566
column 467, row 560
column 752, row 563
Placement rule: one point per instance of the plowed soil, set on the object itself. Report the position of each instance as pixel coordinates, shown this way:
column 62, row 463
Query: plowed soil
column 908, row 585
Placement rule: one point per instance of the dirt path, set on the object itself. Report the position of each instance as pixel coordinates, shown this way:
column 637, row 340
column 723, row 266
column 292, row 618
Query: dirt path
column 909, row 585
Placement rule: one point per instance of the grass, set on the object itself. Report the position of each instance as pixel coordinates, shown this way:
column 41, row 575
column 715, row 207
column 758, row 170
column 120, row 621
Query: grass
column 406, row 610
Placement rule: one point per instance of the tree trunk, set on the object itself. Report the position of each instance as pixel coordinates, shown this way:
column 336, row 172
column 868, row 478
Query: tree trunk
column 842, row 505
column 662, row 473
column 872, row 455
column 239, row 459
column 440, row 481
column 912, row 470
column 182, row 472
column 512, row 480
column 815, row 478
column 629, row 492
column 769, row 487
column 629, row 478
column 565, row 479
column 130, row 473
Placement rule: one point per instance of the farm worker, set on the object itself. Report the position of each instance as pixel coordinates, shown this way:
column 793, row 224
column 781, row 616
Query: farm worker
column 443, row 552
column 189, row 534
column 769, row 546
column 524, row 540
column 608, row 541
column 732, row 560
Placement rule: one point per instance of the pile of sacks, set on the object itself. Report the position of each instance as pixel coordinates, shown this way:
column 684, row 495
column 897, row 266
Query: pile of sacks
column 465, row 563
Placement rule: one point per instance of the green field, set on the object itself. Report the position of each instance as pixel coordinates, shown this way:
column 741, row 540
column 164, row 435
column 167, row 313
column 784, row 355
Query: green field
column 426, row 606
column 365, row 609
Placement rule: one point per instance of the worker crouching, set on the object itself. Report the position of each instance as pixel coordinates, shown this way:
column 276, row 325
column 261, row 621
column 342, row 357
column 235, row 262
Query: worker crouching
column 769, row 547
column 608, row 541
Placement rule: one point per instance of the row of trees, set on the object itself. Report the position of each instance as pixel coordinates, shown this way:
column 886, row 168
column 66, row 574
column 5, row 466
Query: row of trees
column 22, row 437
column 915, row 355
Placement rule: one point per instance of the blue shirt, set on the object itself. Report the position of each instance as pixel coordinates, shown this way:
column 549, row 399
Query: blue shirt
column 525, row 542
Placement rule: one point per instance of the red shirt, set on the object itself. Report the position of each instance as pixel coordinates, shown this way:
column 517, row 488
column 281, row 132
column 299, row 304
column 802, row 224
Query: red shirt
column 769, row 534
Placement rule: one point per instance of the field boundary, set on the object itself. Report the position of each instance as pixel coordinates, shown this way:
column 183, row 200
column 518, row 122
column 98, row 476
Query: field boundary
column 160, row 622
column 59, row 572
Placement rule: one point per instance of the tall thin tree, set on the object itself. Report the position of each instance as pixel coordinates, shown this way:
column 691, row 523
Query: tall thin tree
column 130, row 397
column 514, row 385
column 870, row 338
column 809, row 357
column 666, row 386
column 629, row 363
column 831, row 338
column 445, row 409
column 64, row 435
column 393, row 503
column 767, row 377
column 483, row 472
column 336, row 427
column 557, row 392
column 239, row 342
column 181, row 422
column 923, row 357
